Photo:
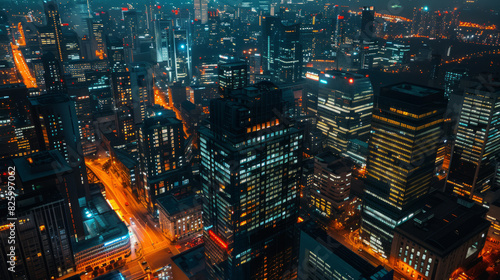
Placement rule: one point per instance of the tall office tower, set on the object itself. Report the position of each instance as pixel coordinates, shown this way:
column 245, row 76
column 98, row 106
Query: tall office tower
column 452, row 80
column 5, row 38
column 54, row 26
column 56, row 125
column 42, row 171
column 475, row 154
column 282, row 50
column 345, row 104
column 100, row 92
column 406, row 127
column 421, row 22
column 435, row 64
column 208, row 73
column 83, row 107
column 367, row 23
column 130, row 22
column 163, row 40
column 122, row 89
column 369, row 53
column 71, row 46
column 116, row 54
column 341, row 24
column 289, row 59
column 201, row 10
column 141, row 84
column 53, row 75
column 97, row 38
column 161, row 148
column 331, row 184
column 182, row 60
column 250, row 169
column 43, row 245
column 233, row 74
column 17, row 132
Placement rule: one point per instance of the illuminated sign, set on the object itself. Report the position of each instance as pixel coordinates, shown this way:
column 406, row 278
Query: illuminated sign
column 312, row 76
column 217, row 239
column 323, row 81
column 116, row 240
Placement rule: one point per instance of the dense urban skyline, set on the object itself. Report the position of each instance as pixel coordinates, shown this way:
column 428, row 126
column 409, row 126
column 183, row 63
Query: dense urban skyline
column 263, row 139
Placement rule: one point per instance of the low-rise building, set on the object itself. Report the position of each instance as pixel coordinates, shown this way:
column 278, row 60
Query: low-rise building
column 448, row 233
column 180, row 218
column 107, row 240
column 323, row 257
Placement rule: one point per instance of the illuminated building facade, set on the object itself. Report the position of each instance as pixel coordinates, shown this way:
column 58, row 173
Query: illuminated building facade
column 447, row 234
column 54, row 27
column 56, row 125
column 233, row 74
column 161, row 146
column 201, row 10
column 282, row 50
column 452, row 80
column 331, row 183
column 180, row 218
column 250, row 166
column 17, row 132
column 108, row 238
column 406, row 128
column 323, row 257
column 345, row 104
column 163, row 40
column 42, row 232
column 98, row 44
column 474, row 160
column 53, row 74
column 46, row 169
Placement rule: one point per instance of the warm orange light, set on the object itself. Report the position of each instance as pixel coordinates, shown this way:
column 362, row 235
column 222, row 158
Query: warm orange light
column 351, row 80
column 217, row 239
column 300, row 220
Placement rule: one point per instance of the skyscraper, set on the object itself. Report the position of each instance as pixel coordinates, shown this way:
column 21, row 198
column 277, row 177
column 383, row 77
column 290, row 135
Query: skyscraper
column 452, row 80
column 53, row 74
column 54, row 26
column 97, row 37
column 44, row 170
column 282, row 50
column 56, row 125
column 367, row 23
column 43, row 245
column 233, row 74
column 163, row 40
column 201, row 10
column 406, row 127
column 474, row 159
column 345, row 104
column 249, row 174
column 161, row 147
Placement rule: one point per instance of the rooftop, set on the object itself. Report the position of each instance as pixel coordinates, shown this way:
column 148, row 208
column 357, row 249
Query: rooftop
column 335, row 163
column 173, row 206
column 191, row 262
column 32, row 200
column 413, row 89
column 40, row 165
column 445, row 223
column 350, row 258
column 101, row 225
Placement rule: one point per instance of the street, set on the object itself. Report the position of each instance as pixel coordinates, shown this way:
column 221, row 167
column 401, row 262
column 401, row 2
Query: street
column 148, row 243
